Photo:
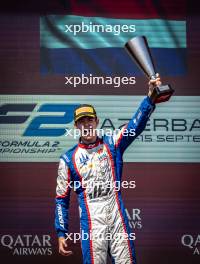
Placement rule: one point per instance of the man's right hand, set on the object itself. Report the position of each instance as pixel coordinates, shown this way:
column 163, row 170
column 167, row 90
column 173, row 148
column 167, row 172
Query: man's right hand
column 62, row 245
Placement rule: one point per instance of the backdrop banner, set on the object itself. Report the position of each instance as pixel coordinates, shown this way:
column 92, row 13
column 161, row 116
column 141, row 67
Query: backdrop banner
column 38, row 128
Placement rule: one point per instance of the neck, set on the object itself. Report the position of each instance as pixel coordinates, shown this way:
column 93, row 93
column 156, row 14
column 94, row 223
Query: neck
column 88, row 142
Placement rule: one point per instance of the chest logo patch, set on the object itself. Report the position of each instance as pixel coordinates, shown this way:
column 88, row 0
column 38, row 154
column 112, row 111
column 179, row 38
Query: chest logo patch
column 84, row 159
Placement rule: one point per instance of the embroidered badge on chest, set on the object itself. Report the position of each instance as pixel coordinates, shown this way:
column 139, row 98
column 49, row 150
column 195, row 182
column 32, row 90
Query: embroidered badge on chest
column 84, row 159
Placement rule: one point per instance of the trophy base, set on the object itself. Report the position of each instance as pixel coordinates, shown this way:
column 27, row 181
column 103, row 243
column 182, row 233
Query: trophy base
column 161, row 94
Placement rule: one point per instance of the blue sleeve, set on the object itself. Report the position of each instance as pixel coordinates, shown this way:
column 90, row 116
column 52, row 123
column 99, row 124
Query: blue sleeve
column 135, row 126
column 62, row 199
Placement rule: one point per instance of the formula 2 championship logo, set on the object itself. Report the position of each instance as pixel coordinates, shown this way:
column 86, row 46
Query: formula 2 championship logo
column 37, row 128
column 33, row 130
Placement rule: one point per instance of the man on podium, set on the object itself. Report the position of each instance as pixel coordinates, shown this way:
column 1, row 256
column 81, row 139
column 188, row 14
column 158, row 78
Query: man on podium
column 96, row 164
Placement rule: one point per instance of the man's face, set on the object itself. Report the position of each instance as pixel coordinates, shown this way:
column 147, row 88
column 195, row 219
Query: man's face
column 87, row 126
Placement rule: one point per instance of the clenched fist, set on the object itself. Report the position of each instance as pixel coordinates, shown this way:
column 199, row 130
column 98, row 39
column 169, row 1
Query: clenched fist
column 153, row 84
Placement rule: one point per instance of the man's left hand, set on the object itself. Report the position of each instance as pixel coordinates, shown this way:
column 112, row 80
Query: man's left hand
column 153, row 84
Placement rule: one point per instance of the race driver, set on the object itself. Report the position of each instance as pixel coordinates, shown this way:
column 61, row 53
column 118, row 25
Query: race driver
column 96, row 164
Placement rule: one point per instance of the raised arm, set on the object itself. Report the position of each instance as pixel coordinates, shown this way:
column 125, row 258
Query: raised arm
column 138, row 122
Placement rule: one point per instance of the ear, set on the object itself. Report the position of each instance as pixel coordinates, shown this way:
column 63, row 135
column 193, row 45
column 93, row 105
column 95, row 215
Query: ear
column 75, row 125
column 97, row 120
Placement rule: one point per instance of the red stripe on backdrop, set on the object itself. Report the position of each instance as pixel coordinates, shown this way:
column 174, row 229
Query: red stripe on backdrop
column 130, row 8
column 171, row 9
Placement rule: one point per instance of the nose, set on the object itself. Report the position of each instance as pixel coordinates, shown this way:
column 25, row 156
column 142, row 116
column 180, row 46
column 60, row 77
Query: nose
column 85, row 124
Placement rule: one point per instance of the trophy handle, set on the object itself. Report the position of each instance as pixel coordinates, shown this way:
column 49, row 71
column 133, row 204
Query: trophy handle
column 161, row 93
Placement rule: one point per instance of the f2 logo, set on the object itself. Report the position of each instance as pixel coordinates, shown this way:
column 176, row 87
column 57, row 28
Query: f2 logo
column 6, row 108
column 34, row 128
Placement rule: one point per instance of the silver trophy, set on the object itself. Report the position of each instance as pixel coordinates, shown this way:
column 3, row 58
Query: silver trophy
column 138, row 49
